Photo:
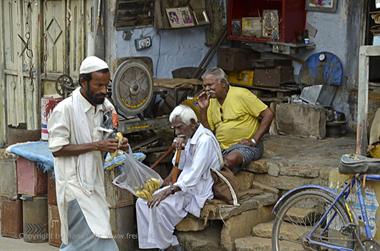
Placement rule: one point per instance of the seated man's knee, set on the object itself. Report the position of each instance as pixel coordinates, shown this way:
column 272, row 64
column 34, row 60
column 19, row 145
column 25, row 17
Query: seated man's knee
column 233, row 160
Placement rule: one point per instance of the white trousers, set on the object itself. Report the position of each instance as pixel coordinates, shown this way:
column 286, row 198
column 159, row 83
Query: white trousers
column 156, row 225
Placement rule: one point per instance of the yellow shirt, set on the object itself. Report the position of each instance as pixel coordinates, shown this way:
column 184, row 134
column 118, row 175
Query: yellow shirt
column 237, row 118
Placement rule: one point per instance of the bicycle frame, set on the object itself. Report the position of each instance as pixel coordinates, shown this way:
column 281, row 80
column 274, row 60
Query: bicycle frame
column 341, row 196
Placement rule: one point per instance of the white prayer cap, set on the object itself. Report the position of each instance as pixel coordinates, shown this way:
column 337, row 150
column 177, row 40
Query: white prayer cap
column 92, row 64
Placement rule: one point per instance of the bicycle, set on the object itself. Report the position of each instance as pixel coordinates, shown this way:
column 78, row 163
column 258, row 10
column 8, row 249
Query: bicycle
column 319, row 218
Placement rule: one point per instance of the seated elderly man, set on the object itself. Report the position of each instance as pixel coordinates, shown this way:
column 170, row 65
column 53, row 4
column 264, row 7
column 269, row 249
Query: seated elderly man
column 236, row 116
column 157, row 218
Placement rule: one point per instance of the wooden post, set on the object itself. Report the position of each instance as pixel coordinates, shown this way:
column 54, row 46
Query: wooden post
column 361, row 129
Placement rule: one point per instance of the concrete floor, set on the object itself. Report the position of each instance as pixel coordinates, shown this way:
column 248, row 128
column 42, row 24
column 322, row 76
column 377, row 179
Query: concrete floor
column 324, row 154
column 9, row 244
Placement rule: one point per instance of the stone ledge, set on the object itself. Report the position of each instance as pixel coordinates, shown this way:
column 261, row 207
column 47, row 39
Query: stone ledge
column 286, row 182
column 218, row 210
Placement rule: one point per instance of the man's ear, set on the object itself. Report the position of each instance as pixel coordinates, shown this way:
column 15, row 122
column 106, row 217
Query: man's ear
column 193, row 123
column 83, row 83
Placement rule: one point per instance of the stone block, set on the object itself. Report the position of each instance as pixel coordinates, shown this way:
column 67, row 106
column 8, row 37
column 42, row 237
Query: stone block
column 263, row 244
column 207, row 239
column 285, row 182
column 191, row 223
column 241, row 225
column 300, row 170
column 263, row 187
column 274, row 168
column 244, row 180
column 301, row 120
column 258, row 166
column 290, row 232
column 224, row 212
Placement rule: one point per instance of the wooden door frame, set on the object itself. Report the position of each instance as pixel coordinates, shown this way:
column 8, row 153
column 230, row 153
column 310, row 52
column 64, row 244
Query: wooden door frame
column 3, row 109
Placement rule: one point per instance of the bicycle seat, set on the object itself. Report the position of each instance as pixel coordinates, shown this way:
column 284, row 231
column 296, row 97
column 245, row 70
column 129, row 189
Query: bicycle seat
column 355, row 163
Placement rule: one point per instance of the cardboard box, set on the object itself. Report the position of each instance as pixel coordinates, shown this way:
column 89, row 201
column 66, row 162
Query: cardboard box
column 54, row 226
column 236, row 59
column 124, row 227
column 51, row 192
column 273, row 77
column 11, row 218
column 30, row 179
column 8, row 178
column 115, row 196
column 35, row 219
column 241, row 77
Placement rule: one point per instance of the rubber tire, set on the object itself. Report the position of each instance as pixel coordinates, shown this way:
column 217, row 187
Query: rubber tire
column 295, row 198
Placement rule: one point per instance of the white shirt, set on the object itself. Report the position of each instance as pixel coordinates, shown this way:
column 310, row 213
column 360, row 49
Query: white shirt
column 201, row 153
column 62, row 132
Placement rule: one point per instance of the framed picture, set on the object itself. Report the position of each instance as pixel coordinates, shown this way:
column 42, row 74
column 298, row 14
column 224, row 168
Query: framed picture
column 201, row 17
column 180, row 17
column 321, row 5
column 270, row 23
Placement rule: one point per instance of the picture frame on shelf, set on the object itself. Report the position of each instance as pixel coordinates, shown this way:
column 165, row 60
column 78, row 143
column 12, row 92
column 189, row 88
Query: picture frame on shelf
column 270, row 23
column 201, row 18
column 322, row 5
column 180, row 17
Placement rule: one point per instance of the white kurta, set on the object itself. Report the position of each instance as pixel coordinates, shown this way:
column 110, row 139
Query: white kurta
column 62, row 132
column 156, row 225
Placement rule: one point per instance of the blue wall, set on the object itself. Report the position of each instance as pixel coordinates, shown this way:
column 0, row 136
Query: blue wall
column 170, row 49
column 340, row 34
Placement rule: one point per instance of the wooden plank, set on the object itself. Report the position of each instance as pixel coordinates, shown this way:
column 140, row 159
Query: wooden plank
column 370, row 50
column 34, row 113
column 361, row 130
column 3, row 115
column 19, row 95
column 77, row 36
column 54, row 26
column 10, row 46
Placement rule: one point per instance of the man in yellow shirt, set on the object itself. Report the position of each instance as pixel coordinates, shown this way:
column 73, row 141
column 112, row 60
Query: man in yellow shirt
column 237, row 117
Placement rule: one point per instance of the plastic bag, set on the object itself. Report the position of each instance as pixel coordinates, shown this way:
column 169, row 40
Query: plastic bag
column 134, row 174
column 112, row 162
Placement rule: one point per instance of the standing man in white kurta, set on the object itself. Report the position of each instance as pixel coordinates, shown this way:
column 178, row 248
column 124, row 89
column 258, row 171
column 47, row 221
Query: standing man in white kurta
column 157, row 219
column 77, row 142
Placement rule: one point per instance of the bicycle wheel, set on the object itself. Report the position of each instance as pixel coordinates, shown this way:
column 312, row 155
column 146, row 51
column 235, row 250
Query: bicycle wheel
column 300, row 213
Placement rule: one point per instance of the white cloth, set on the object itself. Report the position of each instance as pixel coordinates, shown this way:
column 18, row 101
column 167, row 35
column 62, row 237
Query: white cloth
column 86, row 167
column 156, row 225
column 62, row 131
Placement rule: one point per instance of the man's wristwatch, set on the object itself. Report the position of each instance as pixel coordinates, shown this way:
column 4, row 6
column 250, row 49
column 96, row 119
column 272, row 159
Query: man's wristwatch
column 172, row 189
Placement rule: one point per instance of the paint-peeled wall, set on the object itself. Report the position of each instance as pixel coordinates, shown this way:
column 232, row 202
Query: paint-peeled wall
column 171, row 49
column 340, row 34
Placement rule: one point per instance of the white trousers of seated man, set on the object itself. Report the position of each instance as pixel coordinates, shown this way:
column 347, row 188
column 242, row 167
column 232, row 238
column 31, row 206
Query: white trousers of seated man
column 156, row 225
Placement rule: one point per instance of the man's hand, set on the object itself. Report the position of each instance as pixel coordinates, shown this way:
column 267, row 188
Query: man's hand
column 167, row 180
column 108, row 145
column 247, row 142
column 158, row 197
column 124, row 146
column 179, row 142
column 203, row 100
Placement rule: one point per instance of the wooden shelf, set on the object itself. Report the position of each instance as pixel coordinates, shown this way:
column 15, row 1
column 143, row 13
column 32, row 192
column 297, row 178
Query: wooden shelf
column 248, row 38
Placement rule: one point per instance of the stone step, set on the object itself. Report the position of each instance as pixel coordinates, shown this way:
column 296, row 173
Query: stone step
column 214, row 210
column 207, row 239
column 288, row 182
column 263, row 244
column 288, row 231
